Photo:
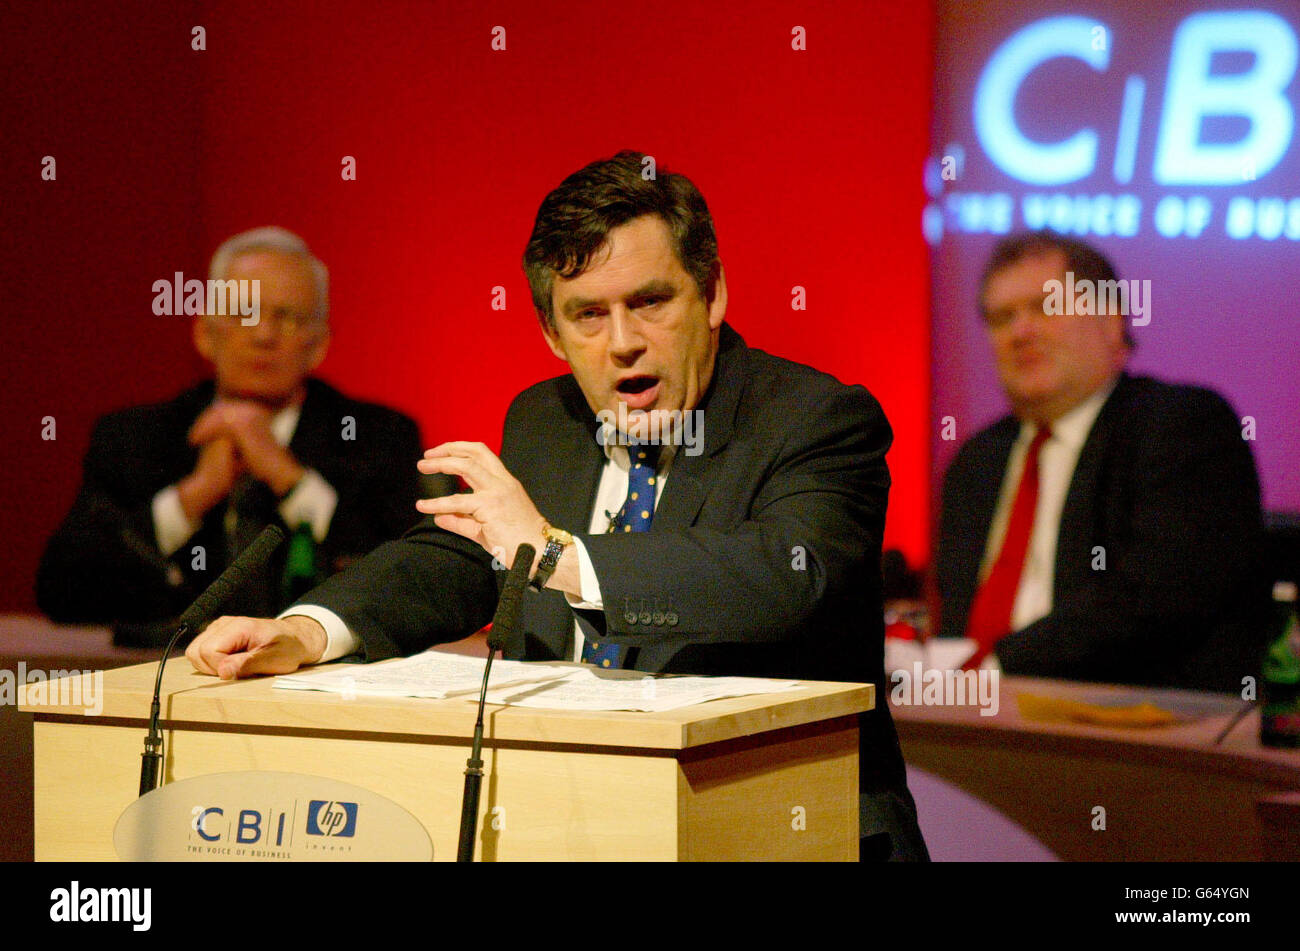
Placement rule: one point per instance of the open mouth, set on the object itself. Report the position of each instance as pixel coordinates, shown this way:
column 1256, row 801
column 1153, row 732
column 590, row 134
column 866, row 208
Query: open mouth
column 637, row 384
column 639, row 392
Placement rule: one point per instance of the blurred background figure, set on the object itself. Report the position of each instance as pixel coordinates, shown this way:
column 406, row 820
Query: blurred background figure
column 172, row 492
column 1109, row 528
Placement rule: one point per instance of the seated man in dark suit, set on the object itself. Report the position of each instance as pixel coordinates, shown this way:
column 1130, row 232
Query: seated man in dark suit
column 755, row 552
column 172, row 491
column 1109, row 529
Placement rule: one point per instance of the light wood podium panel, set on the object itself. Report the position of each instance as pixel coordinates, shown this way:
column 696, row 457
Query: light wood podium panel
column 771, row 777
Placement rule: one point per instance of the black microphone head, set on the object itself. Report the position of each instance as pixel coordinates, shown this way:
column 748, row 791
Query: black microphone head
column 253, row 558
column 263, row 545
column 507, row 614
column 525, row 554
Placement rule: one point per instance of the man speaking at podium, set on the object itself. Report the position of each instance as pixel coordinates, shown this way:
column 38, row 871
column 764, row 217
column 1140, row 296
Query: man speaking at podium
column 754, row 550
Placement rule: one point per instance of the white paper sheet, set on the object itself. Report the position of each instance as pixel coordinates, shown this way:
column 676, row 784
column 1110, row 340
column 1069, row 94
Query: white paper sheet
column 430, row 674
column 555, row 686
column 587, row 688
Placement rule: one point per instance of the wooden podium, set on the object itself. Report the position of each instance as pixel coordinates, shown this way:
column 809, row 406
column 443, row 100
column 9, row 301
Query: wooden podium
column 771, row 777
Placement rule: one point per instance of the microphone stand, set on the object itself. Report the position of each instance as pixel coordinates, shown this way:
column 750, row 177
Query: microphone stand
column 151, row 758
column 474, row 775
column 205, row 607
column 503, row 623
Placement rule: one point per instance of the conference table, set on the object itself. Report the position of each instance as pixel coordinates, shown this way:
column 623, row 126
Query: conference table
column 1109, row 793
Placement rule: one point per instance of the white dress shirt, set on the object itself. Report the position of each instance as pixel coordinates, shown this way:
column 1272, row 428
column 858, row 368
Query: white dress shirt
column 1056, row 463
column 311, row 500
column 610, row 493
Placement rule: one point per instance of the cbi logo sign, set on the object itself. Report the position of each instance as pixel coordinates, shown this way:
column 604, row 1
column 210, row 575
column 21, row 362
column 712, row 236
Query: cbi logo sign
column 242, row 827
column 260, row 816
column 338, row 819
column 325, row 817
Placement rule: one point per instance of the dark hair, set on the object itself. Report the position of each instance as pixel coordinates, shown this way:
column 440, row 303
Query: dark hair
column 575, row 219
column 1083, row 259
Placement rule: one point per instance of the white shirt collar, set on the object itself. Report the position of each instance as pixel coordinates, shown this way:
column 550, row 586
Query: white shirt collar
column 1073, row 427
column 619, row 456
column 285, row 422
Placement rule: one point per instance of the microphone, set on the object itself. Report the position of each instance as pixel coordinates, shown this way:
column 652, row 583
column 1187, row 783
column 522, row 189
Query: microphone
column 206, row 607
column 115, row 518
column 507, row 616
column 503, row 624
column 138, row 546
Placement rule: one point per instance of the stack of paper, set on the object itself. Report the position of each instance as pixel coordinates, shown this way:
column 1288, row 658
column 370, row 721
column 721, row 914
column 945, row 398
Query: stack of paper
column 587, row 688
column 556, row 686
column 431, row 674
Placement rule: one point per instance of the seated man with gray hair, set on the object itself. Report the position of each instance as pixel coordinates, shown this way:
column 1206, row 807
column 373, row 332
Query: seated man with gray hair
column 173, row 491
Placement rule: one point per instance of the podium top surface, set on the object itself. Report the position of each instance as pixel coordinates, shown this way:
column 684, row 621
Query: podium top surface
column 194, row 701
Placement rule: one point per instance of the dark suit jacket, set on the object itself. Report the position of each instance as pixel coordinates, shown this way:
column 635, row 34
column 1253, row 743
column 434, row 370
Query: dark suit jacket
column 764, row 550
column 1166, row 486
column 89, row 574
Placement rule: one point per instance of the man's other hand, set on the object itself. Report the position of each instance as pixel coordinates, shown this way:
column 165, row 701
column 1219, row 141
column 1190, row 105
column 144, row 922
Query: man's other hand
column 243, row 646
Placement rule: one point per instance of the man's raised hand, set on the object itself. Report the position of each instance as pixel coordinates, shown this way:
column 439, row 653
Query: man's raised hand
column 498, row 515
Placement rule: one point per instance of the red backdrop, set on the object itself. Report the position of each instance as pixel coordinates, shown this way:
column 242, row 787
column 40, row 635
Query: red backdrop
column 810, row 161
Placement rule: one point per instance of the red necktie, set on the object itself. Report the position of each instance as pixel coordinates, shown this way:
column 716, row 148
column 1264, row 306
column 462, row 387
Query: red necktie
column 990, row 615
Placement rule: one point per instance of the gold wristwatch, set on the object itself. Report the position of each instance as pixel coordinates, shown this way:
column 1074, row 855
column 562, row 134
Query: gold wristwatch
column 557, row 539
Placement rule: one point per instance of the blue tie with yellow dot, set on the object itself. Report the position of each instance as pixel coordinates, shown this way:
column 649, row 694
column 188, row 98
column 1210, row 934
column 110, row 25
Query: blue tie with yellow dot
column 635, row 516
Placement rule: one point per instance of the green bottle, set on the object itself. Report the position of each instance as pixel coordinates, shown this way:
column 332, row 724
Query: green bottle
column 302, row 567
column 1279, row 721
